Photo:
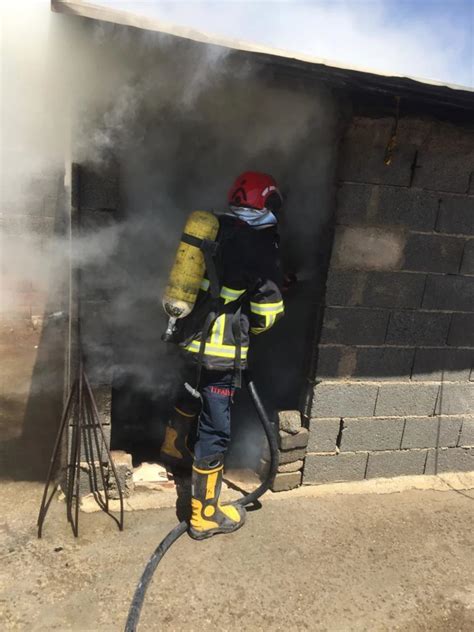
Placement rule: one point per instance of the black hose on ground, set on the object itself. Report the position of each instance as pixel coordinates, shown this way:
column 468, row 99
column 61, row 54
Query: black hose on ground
column 181, row 528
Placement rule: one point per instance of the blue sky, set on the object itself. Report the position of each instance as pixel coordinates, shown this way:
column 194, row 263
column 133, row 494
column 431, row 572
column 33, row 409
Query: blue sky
column 431, row 39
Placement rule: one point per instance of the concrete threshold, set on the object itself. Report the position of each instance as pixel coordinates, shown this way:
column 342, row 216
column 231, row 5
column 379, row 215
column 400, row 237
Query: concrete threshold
column 148, row 498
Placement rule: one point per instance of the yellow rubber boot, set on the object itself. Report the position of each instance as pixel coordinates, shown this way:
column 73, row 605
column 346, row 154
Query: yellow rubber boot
column 208, row 516
column 175, row 450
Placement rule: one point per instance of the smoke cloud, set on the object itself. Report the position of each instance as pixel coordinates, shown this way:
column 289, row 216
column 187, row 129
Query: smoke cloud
column 180, row 121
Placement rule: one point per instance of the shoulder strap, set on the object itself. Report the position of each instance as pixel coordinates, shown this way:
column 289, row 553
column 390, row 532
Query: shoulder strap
column 210, row 249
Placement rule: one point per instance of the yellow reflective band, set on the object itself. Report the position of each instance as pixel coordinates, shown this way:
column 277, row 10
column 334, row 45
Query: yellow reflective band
column 257, row 330
column 220, row 351
column 217, row 334
column 211, row 486
column 267, row 308
column 216, row 469
column 269, row 320
column 227, row 293
column 181, row 412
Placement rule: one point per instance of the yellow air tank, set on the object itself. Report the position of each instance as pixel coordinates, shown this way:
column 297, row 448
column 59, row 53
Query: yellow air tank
column 188, row 269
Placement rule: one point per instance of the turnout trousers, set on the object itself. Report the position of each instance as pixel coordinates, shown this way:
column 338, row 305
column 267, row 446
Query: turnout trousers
column 213, row 434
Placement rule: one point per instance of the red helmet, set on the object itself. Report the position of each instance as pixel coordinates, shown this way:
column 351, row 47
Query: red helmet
column 255, row 190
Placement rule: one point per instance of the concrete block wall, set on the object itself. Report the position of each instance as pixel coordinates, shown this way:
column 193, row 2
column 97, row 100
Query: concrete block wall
column 98, row 201
column 292, row 442
column 394, row 385
column 98, row 204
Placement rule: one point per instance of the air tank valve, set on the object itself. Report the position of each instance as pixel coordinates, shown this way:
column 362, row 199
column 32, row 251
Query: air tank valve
column 168, row 335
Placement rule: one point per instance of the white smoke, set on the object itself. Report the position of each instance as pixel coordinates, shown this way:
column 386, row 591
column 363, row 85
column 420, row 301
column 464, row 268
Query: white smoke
column 181, row 121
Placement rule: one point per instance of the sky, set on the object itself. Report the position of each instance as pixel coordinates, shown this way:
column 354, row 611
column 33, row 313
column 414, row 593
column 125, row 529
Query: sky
column 429, row 39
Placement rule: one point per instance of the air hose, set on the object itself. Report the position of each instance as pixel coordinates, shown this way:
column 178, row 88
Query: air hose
column 181, row 528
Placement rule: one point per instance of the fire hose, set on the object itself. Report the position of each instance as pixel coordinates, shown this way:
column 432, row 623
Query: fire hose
column 181, row 528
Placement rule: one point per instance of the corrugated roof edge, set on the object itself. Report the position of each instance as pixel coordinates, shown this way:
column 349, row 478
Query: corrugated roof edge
column 125, row 18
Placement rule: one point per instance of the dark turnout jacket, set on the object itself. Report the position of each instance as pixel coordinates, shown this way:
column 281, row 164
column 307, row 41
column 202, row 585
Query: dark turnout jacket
column 250, row 301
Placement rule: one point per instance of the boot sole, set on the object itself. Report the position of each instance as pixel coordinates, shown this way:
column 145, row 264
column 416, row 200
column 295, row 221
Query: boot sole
column 204, row 535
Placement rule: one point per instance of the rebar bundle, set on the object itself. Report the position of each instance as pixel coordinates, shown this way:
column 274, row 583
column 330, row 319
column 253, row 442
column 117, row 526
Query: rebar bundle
column 85, row 449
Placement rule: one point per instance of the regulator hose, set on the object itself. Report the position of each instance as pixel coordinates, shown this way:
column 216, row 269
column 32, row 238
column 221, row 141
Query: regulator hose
column 248, row 499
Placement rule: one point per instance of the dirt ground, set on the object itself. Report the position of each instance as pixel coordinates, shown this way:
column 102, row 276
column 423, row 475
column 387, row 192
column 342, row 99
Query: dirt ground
column 400, row 561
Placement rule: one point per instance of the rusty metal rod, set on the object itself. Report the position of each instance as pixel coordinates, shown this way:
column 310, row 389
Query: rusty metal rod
column 46, row 501
column 87, row 431
column 104, row 443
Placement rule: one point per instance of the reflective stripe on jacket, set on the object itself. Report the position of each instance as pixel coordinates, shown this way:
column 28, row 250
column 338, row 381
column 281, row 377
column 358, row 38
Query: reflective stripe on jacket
column 248, row 268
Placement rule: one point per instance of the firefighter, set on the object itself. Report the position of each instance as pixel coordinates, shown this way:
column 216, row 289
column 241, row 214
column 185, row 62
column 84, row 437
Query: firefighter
column 218, row 332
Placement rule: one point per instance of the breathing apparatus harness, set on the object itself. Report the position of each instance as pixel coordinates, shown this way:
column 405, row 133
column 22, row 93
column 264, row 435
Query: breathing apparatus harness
column 210, row 250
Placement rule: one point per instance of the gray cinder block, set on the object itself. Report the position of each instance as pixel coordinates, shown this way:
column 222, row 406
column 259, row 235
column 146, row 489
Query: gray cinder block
column 323, row 435
column 418, row 328
column 450, row 460
column 354, row 326
column 396, row 463
column 290, row 441
column 103, row 399
column 368, row 248
column 345, row 288
column 378, row 205
column 422, row 432
column 92, row 449
column 443, row 364
column 433, row 253
column 393, row 289
column 289, row 421
column 382, row 363
column 124, row 468
column 364, row 149
column 467, row 266
column 285, row 481
column 466, row 438
column 445, row 158
column 398, row 400
column 88, row 480
column 359, row 363
column 343, row 399
column 290, row 456
column 461, row 332
column 456, row 215
column 375, row 289
column 99, row 189
column 291, row 467
column 322, row 468
column 454, row 293
column 456, row 399
column 371, row 434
